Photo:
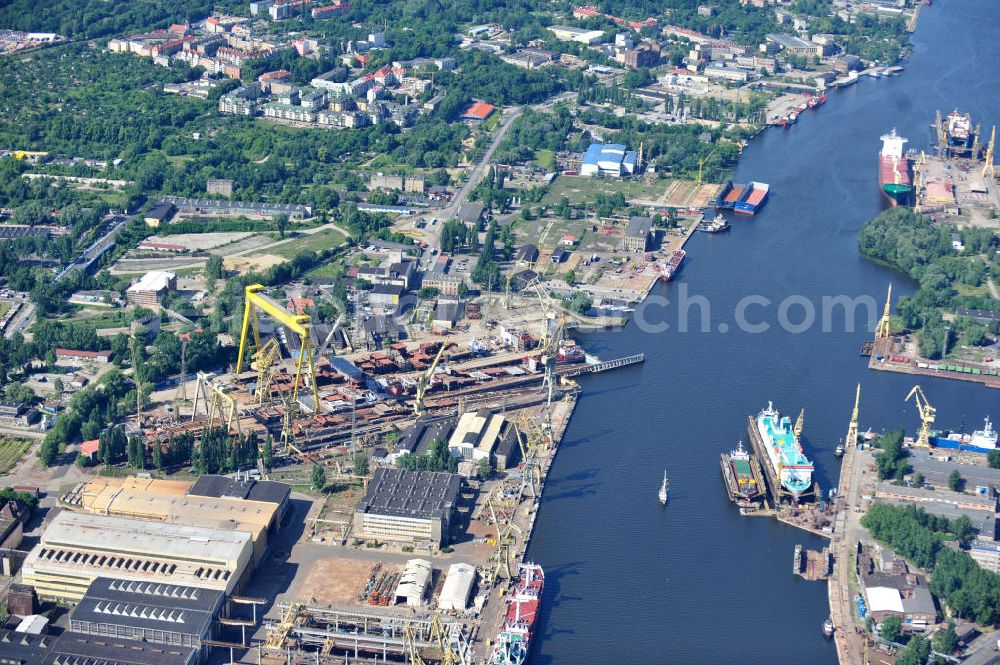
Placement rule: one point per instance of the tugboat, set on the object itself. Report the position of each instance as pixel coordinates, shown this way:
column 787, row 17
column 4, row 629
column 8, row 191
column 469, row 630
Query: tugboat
column 828, row 628
column 839, row 452
column 664, row 490
column 717, row 225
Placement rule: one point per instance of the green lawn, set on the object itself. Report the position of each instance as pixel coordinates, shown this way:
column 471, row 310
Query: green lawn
column 546, row 159
column 579, row 190
column 325, row 239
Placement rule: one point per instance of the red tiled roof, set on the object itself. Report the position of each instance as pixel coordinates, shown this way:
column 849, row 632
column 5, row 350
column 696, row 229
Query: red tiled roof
column 90, row 447
column 279, row 74
column 83, row 354
column 480, row 110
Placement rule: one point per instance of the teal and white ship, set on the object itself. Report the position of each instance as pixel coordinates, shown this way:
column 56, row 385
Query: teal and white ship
column 788, row 463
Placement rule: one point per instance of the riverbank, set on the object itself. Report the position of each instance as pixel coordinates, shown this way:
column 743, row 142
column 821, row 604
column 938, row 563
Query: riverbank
column 608, row 549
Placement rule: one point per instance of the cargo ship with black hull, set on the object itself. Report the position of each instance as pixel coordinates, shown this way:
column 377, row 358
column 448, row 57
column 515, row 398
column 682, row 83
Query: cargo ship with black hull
column 744, row 479
column 894, row 170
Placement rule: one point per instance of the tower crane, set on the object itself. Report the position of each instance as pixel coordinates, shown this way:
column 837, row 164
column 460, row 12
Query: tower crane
column 701, row 165
column 927, row 415
column 852, row 431
column 424, row 381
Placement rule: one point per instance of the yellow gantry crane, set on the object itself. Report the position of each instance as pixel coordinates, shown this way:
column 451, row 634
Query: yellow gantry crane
column 927, row 415
column 219, row 404
column 256, row 302
column 424, row 381
column 882, row 331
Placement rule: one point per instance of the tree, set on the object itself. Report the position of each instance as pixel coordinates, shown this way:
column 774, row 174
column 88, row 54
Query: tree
column 993, row 459
column 963, row 530
column 570, row 277
column 360, row 464
column 57, row 385
column 281, row 223
column 918, row 479
column 318, row 478
column 18, row 393
column 213, row 267
column 955, row 481
column 483, row 468
column 946, row 641
column 891, row 629
column 136, row 453
column 267, row 454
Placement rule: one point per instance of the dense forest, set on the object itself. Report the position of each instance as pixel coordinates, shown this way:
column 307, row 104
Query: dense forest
column 922, row 249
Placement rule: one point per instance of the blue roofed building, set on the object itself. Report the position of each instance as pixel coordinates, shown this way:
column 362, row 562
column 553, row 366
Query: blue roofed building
column 609, row 159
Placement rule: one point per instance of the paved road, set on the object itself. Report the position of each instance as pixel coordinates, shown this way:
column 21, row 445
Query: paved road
column 98, row 247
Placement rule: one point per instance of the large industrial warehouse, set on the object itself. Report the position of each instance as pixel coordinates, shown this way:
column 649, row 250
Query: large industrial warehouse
column 408, row 506
column 76, row 549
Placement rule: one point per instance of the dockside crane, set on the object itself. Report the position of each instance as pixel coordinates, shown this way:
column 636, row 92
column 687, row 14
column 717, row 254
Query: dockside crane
column 424, row 381
column 927, row 415
column 882, row 331
column 263, row 363
column 852, row 430
column 988, row 167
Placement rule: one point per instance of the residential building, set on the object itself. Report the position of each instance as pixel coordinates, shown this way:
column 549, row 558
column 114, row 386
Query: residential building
column 408, row 506
column 148, row 289
column 637, row 234
column 277, row 111
column 77, row 548
column 445, row 284
column 986, row 553
column 402, row 182
column 242, row 101
column 645, row 55
column 338, row 8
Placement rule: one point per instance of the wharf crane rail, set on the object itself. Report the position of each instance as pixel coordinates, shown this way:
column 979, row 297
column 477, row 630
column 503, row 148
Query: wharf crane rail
column 603, row 366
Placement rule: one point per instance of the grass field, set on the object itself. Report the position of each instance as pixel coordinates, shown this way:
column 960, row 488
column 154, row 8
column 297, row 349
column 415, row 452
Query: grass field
column 4, row 306
column 546, row 159
column 325, row 239
column 579, row 189
column 105, row 319
column 11, row 452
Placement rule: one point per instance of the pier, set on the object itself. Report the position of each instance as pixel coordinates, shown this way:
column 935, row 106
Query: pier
column 604, row 366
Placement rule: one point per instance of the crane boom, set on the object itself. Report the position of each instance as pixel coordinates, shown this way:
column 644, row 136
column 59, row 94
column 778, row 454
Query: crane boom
column 424, row 381
column 927, row 415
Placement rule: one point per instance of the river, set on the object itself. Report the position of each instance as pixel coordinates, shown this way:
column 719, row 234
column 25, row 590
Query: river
column 629, row 582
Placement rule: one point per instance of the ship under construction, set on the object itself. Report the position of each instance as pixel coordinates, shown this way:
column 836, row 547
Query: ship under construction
column 744, row 479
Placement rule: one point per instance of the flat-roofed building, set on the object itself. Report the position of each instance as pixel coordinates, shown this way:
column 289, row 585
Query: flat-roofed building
column 408, row 506
column 250, row 489
column 169, row 502
column 921, row 497
column 150, row 287
column 147, row 612
column 77, row 548
column 72, row 648
column 566, row 33
column 986, row 553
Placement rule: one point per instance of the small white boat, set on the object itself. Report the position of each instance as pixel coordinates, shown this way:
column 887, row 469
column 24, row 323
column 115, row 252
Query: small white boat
column 664, row 490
